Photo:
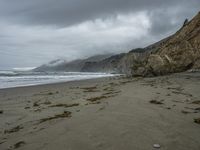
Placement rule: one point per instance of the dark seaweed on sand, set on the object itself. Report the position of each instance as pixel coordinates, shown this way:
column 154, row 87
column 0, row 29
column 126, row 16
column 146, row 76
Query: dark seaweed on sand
column 156, row 102
column 15, row 129
column 65, row 105
column 65, row 114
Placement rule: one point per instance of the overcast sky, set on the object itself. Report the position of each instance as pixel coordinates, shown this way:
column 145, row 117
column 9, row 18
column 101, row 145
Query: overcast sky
column 33, row 32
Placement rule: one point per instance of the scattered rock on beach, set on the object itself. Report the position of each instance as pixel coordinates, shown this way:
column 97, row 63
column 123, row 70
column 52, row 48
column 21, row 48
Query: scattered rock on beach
column 1, row 111
column 156, row 145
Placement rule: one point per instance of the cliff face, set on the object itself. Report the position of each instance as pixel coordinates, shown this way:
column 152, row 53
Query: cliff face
column 178, row 53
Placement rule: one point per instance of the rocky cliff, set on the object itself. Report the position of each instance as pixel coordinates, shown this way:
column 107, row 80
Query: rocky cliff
column 179, row 52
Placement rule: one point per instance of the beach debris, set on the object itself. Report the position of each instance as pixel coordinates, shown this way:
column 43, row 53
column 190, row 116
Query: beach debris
column 47, row 93
column 156, row 145
column 50, row 93
column 1, row 111
column 195, row 102
column 155, row 102
column 168, row 94
column 124, row 82
column 108, row 89
column 65, row 114
column 18, row 144
column 90, row 89
column 175, row 88
column 186, row 94
column 176, row 101
column 37, row 110
column 35, row 104
column 15, row 129
column 113, row 84
column 185, row 112
column 198, row 109
column 27, row 107
column 197, row 120
column 47, row 103
column 2, row 142
column 111, row 92
column 102, row 108
column 168, row 108
column 74, row 87
column 108, row 93
column 95, row 102
column 65, row 105
column 93, row 99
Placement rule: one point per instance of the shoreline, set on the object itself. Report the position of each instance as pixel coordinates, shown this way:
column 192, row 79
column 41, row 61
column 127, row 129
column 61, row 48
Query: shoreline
column 104, row 114
column 59, row 82
column 25, row 79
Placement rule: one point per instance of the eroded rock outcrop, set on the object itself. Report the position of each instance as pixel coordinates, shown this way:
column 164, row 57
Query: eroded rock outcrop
column 178, row 53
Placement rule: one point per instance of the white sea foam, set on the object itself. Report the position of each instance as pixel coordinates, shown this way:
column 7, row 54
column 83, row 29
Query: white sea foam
column 24, row 78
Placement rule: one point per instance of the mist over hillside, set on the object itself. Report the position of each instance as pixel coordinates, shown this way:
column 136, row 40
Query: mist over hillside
column 71, row 66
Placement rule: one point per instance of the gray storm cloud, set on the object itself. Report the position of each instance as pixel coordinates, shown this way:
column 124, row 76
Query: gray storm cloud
column 35, row 32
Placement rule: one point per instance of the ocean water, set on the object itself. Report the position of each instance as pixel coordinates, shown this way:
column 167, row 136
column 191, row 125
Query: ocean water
column 16, row 78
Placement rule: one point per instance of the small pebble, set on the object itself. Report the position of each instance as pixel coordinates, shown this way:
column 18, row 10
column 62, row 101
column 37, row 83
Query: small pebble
column 156, row 145
column 1, row 111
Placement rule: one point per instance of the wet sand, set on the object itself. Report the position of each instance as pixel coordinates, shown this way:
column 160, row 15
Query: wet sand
column 103, row 114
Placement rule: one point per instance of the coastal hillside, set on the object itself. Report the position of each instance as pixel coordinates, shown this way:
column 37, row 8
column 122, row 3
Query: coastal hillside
column 124, row 63
column 71, row 66
column 178, row 53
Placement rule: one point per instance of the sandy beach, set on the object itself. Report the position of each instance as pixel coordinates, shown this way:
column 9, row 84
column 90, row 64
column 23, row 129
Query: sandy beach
column 114, row 113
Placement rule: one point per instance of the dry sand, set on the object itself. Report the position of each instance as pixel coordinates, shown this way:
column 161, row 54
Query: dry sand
column 103, row 114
